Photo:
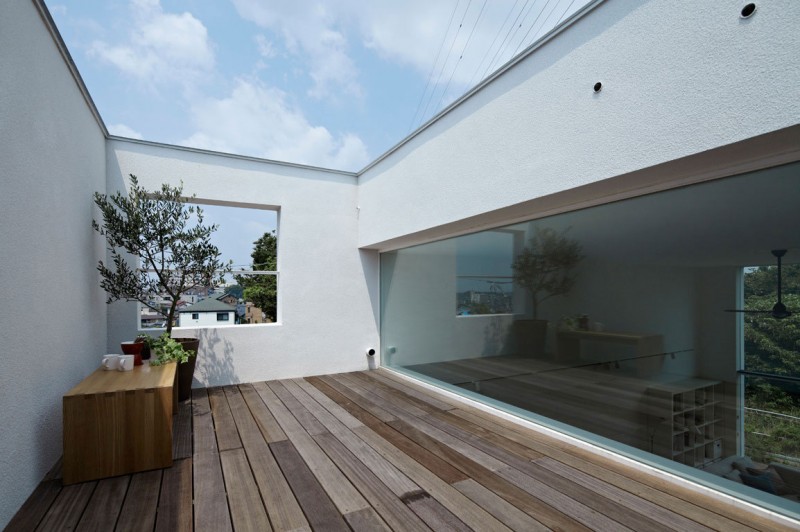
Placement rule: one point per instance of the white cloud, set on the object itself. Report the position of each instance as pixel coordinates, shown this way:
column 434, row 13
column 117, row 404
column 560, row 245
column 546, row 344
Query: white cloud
column 315, row 33
column 409, row 32
column 260, row 121
column 121, row 130
column 161, row 48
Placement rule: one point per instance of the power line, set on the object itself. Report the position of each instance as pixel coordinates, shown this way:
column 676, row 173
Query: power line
column 494, row 57
column 433, row 66
column 477, row 20
column 447, row 59
column 486, row 54
column 532, row 26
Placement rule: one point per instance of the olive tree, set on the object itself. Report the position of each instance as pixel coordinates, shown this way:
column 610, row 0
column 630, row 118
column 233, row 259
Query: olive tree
column 167, row 236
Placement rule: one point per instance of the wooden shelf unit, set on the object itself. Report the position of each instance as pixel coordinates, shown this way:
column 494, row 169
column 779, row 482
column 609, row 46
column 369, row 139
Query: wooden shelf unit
column 685, row 420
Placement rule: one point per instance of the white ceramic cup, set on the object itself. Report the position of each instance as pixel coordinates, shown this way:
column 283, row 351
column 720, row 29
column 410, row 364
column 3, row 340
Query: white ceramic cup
column 125, row 362
column 110, row 362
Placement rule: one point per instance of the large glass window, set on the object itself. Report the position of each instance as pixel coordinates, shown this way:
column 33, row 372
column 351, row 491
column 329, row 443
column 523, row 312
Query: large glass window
column 613, row 323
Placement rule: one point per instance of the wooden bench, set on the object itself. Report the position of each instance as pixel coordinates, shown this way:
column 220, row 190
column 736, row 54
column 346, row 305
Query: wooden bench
column 119, row 422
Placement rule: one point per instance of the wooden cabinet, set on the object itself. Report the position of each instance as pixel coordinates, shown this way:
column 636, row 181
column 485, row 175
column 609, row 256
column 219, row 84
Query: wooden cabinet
column 118, row 422
column 685, row 420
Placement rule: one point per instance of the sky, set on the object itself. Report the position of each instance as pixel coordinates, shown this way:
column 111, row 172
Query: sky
column 332, row 84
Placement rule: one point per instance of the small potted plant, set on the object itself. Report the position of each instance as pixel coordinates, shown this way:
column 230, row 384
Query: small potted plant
column 545, row 268
column 166, row 349
column 173, row 247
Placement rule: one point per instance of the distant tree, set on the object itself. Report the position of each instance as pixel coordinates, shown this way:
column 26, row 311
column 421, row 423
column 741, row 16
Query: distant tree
column 772, row 346
column 262, row 290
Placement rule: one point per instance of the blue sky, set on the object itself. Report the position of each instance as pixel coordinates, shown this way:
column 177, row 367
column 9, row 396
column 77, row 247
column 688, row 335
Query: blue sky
column 331, row 84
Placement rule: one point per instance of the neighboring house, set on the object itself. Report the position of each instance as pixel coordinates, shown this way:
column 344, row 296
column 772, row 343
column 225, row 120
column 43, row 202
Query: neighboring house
column 254, row 314
column 208, row 312
column 228, row 299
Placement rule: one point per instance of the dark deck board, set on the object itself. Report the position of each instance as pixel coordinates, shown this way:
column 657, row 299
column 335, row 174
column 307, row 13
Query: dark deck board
column 224, row 426
column 103, row 509
column 182, row 432
column 175, row 502
column 374, row 451
column 67, row 507
column 139, row 509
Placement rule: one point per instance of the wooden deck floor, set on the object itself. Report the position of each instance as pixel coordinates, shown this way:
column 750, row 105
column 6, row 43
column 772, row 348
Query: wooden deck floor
column 368, row 451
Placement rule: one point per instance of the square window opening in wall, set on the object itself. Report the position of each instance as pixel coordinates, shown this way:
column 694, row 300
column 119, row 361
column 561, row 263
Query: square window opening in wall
column 247, row 238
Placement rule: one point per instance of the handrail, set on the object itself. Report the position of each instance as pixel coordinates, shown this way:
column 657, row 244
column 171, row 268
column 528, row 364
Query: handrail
column 786, row 378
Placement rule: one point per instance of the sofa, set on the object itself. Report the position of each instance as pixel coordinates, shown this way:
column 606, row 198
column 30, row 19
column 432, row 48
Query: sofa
column 774, row 478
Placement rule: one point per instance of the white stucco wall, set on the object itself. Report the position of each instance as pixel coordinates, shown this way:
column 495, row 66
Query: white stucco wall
column 52, row 158
column 679, row 77
column 328, row 289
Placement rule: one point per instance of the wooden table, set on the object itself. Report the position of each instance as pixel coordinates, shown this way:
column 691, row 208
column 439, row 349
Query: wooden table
column 119, row 422
column 646, row 345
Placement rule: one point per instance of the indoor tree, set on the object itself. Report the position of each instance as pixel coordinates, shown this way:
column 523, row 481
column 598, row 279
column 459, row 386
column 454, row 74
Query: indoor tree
column 545, row 267
column 167, row 236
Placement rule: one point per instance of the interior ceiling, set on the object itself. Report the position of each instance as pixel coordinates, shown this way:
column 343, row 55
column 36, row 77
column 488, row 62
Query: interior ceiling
column 729, row 222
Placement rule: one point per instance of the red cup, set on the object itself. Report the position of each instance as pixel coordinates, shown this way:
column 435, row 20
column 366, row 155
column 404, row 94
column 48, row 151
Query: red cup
column 135, row 349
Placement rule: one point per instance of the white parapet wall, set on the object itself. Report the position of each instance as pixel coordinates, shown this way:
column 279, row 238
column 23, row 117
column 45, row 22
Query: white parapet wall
column 328, row 288
column 53, row 316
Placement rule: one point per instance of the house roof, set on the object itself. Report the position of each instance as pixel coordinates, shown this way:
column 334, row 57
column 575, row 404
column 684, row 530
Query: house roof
column 210, row 304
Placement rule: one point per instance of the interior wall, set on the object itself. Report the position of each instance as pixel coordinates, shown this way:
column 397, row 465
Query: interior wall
column 678, row 77
column 328, row 288
column 52, row 158
column 418, row 298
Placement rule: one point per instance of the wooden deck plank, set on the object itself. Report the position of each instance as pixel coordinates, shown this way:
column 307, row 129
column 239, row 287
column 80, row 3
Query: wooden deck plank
column 35, row 506
column 210, row 500
column 473, row 515
column 244, row 499
column 523, row 500
column 366, row 520
column 432, row 512
column 203, row 437
column 224, row 427
column 317, row 505
column 281, row 506
column 139, row 510
column 175, row 502
column 355, row 410
column 422, row 396
column 384, row 500
column 182, row 432
column 504, row 511
column 389, row 475
column 103, row 509
column 337, row 382
column 269, row 428
column 346, row 498
column 330, row 405
column 311, row 424
column 67, row 507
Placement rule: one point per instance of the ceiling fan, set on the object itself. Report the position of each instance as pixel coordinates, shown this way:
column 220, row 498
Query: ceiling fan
column 779, row 310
